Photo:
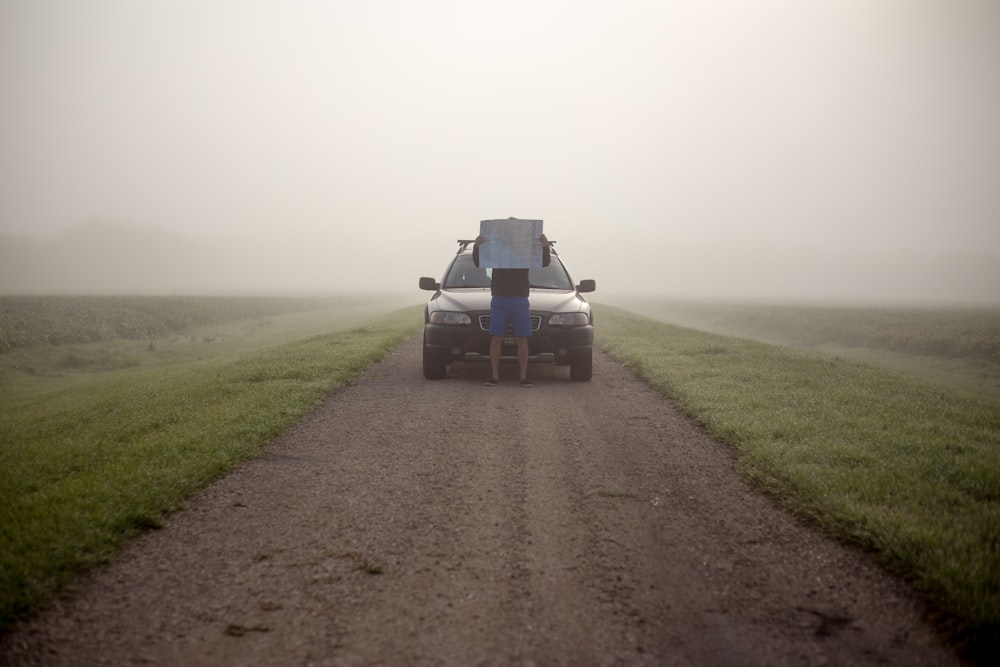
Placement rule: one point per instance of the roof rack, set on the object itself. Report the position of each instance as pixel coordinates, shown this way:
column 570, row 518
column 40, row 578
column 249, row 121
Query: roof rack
column 463, row 245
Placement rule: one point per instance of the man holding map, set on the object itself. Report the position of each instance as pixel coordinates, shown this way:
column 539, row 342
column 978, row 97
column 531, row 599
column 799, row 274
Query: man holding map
column 510, row 247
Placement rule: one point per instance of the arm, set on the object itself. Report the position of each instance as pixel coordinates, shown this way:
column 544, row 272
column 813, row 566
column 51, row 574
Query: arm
column 475, row 249
column 546, row 253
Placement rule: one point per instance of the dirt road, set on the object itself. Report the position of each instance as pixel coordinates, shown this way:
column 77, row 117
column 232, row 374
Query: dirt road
column 409, row 522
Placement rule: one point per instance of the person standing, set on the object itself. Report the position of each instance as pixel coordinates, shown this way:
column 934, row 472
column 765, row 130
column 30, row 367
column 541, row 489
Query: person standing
column 510, row 289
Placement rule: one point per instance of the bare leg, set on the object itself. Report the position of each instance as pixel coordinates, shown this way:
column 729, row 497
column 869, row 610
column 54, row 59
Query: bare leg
column 522, row 357
column 496, row 342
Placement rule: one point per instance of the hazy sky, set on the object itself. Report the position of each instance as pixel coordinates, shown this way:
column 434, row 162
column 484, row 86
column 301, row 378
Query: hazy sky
column 661, row 141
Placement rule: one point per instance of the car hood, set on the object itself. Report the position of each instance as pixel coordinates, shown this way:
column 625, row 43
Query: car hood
column 555, row 301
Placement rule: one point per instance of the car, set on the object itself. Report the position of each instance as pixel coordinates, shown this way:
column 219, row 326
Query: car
column 457, row 318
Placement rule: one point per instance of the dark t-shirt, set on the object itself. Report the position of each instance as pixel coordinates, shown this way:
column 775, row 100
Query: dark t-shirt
column 511, row 282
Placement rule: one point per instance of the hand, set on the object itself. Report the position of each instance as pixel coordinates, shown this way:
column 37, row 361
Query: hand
column 480, row 240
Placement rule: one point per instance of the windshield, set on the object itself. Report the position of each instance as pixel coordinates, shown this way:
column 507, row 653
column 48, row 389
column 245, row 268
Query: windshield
column 464, row 273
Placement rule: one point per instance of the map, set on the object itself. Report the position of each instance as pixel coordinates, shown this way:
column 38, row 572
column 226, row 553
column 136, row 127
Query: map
column 511, row 243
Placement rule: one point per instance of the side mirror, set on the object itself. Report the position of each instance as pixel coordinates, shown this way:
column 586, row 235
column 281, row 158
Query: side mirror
column 429, row 284
column 586, row 286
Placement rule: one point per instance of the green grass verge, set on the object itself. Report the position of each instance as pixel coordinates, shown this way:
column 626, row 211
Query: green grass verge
column 875, row 457
column 91, row 454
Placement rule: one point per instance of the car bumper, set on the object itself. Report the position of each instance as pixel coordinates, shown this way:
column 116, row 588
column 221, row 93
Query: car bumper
column 469, row 343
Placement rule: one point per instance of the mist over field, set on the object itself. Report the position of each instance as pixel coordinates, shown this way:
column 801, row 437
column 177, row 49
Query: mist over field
column 838, row 150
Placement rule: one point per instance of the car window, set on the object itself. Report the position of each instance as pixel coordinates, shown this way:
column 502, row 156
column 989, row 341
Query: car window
column 552, row 276
column 464, row 273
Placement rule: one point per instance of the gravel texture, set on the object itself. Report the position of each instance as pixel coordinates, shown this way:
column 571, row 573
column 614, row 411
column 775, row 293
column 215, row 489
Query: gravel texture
column 408, row 522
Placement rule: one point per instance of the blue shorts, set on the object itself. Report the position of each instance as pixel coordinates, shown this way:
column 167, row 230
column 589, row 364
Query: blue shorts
column 513, row 308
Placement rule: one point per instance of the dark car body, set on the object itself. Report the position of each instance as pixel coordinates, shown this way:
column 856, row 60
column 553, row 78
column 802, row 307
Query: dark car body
column 457, row 318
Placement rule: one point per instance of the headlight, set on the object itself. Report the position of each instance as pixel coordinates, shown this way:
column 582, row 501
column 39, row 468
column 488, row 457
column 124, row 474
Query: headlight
column 569, row 320
column 446, row 317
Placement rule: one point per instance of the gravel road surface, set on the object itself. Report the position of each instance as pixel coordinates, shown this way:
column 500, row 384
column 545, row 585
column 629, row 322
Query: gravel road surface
column 409, row 522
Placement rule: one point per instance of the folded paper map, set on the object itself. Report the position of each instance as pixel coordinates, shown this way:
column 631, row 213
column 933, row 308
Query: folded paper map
column 511, row 243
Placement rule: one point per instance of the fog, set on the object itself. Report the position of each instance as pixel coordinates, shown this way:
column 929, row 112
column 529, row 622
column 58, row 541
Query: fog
column 726, row 149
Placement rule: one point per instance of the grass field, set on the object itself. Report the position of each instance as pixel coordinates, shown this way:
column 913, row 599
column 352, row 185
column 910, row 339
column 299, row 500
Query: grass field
column 104, row 433
column 101, row 439
column 887, row 460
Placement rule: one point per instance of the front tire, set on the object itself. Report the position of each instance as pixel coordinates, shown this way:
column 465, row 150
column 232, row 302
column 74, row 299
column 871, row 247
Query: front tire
column 435, row 366
column 581, row 369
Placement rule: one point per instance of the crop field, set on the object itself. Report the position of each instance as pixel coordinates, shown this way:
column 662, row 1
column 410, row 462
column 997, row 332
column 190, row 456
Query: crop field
column 30, row 320
column 956, row 346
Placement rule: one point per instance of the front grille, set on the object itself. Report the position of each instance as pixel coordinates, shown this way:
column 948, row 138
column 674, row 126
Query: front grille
column 484, row 323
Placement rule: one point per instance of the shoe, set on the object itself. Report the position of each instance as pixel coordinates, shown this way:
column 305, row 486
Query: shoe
column 526, row 383
column 491, row 382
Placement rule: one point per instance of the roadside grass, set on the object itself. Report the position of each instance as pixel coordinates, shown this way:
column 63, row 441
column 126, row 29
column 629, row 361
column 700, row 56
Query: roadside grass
column 891, row 462
column 93, row 452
